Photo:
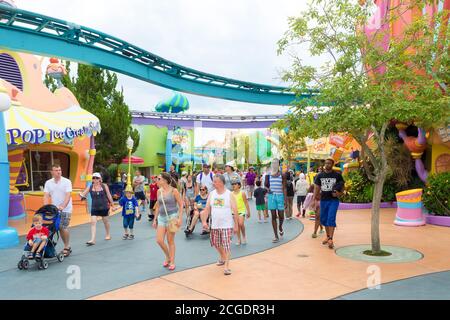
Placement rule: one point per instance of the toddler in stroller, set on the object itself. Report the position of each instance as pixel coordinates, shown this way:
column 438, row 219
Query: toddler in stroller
column 41, row 242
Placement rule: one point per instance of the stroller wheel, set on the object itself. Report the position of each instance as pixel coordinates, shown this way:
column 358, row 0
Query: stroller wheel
column 43, row 264
column 60, row 257
column 25, row 264
column 19, row 265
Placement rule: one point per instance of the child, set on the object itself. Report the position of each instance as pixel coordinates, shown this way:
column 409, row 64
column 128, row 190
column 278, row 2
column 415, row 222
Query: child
column 243, row 210
column 130, row 210
column 260, row 196
column 37, row 237
column 314, row 205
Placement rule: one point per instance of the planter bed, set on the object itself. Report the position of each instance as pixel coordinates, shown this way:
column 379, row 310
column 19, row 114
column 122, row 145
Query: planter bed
column 355, row 206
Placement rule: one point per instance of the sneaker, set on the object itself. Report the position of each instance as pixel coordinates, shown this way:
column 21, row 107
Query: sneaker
column 30, row 255
column 227, row 272
column 314, row 236
column 38, row 255
column 131, row 237
column 265, row 221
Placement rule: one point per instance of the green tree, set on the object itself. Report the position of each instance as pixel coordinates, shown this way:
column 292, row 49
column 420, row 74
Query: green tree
column 96, row 91
column 356, row 98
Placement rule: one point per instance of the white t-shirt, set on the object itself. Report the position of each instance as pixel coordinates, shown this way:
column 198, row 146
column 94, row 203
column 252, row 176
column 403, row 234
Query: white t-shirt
column 58, row 192
column 221, row 213
column 301, row 187
column 207, row 180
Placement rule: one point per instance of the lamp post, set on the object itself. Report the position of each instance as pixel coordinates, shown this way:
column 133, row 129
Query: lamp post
column 8, row 236
column 130, row 144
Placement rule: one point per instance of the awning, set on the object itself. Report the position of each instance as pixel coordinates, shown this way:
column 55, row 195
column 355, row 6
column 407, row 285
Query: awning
column 24, row 125
column 134, row 160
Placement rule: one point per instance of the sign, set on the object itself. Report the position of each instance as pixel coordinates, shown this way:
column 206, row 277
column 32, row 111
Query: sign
column 16, row 136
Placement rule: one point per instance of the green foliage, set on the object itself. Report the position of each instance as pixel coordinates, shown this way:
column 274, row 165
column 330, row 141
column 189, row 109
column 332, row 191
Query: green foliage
column 436, row 196
column 95, row 90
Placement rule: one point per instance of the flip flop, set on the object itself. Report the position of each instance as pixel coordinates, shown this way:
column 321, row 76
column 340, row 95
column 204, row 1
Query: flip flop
column 275, row 240
column 108, row 238
column 90, row 243
column 220, row 263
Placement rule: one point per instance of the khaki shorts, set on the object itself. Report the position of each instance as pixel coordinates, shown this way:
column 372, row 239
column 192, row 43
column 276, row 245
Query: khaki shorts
column 65, row 219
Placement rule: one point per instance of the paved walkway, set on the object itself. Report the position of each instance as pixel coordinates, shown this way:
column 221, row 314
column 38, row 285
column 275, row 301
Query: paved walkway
column 118, row 263
column 304, row 269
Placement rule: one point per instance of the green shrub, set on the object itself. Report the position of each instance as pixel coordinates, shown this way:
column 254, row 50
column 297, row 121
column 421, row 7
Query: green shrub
column 436, row 196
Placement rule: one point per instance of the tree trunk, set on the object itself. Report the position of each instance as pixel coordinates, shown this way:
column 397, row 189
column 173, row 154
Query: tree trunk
column 376, row 200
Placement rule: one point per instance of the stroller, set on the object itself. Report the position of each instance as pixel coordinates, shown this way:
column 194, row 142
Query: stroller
column 51, row 219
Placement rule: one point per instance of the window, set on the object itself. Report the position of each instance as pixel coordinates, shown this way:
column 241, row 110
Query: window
column 39, row 167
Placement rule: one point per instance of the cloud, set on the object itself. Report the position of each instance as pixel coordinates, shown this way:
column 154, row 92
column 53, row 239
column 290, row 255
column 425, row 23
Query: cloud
column 235, row 38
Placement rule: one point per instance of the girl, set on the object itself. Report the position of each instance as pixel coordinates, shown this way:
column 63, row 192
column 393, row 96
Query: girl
column 101, row 203
column 314, row 205
column 243, row 210
column 169, row 206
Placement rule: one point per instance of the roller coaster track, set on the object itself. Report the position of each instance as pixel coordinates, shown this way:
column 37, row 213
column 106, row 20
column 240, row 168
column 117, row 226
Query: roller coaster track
column 30, row 32
column 204, row 121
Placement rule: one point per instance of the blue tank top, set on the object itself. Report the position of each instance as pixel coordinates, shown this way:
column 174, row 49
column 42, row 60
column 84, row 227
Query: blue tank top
column 276, row 184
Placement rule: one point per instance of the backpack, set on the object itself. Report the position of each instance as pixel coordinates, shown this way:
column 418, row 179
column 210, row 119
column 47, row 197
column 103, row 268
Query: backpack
column 210, row 175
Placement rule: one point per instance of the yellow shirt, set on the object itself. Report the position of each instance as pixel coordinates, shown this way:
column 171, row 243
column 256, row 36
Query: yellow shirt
column 240, row 202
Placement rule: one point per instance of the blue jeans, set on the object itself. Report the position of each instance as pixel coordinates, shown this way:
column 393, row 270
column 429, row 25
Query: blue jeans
column 328, row 210
column 128, row 221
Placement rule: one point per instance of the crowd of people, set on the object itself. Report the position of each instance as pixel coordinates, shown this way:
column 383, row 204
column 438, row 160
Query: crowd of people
column 220, row 200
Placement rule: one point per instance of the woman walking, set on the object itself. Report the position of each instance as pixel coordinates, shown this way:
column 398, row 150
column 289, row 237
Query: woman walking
column 189, row 194
column 101, row 203
column 169, row 214
column 301, row 190
column 224, row 215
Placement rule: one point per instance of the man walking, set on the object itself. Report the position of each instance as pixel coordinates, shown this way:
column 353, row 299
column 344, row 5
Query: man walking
column 224, row 215
column 250, row 178
column 58, row 191
column 328, row 186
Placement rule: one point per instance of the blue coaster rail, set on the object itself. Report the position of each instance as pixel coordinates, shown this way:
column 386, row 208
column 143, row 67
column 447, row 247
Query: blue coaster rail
column 26, row 31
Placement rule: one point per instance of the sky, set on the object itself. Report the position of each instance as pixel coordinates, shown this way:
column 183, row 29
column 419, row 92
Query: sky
column 233, row 38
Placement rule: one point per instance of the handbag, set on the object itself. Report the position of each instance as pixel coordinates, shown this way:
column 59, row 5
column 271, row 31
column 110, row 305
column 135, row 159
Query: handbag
column 173, row 227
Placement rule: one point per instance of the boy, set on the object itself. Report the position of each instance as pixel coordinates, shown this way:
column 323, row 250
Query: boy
column 37, row 237
column 260, row 196
column 130, row 211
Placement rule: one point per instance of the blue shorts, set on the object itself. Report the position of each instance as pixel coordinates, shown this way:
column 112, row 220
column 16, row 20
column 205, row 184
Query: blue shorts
column 275, row 201
column 163, row 220
column 128, row 221
column 328, row 210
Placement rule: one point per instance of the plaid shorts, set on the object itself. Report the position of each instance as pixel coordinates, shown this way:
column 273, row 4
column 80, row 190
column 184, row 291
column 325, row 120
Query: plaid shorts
column 221, row 238
column 65, row 219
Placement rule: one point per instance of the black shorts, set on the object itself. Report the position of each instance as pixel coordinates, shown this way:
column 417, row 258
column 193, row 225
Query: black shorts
column 100, row 213
column 152, row 204
column 140, row 195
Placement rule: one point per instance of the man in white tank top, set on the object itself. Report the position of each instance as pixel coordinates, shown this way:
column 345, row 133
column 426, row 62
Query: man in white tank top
column 224, row 221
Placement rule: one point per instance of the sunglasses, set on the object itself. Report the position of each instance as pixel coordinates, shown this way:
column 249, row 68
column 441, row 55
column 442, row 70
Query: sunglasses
column 202, row 189
column 95, row 178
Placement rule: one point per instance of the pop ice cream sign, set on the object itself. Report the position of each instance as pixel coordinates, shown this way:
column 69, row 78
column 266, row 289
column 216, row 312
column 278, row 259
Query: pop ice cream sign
column 16, row 136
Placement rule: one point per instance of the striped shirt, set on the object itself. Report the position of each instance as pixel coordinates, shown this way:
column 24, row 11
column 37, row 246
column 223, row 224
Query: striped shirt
column 276, row 184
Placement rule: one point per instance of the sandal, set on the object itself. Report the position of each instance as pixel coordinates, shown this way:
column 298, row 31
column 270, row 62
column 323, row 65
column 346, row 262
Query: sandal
column 38, row 255
column 89, row 243
column 131, row 237
column 281, row 232
column 275, row 240
column 324, row 242
column 108, row 238
column 125, row 236
column 330, row 243
column 67, row 251
column 314, row 236
column 166, row 264
column 172, row 267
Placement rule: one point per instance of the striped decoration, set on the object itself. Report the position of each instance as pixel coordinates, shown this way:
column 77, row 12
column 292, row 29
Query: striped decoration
column 9, row 70
column 409, row 208
column 177, row 103
column 15, row 158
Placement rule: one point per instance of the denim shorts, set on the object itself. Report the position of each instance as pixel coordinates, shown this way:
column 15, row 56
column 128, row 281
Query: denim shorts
column 328, row 210
column 163, row 220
